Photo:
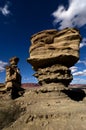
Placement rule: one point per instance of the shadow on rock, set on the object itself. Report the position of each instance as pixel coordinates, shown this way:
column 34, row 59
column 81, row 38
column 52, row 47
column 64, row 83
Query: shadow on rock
column 17, row 92
column 75, row 94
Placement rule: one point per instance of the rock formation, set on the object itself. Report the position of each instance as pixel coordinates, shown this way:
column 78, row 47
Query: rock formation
column 52, row 53
column 2, row 87
column 13, row 77
column 12, row 74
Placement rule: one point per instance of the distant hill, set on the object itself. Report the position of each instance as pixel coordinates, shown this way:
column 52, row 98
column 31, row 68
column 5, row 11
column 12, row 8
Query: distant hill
column 29, row 85
column 83, row 86
column 33, row 85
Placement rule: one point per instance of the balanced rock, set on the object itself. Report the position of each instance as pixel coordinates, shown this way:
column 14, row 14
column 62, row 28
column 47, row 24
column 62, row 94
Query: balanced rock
column 13, row 77
column 12, row 73
column 52, row 53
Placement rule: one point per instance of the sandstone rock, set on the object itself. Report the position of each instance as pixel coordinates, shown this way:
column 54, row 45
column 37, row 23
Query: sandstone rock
column 14, row 61
column 12, row 73
column 13, row 77
column 52, row 52
column 55, row 73
column 2, row 87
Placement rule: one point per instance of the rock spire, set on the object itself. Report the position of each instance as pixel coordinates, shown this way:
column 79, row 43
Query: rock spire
column 13, row 77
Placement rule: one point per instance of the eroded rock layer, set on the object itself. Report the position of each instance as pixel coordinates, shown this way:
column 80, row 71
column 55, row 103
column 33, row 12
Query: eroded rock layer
column 55, row 73
column 52, row 52
column 13, row 77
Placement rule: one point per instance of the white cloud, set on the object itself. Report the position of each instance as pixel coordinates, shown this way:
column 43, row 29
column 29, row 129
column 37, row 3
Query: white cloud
column 29, row 79
column 82, row 62
column 79, row 81
column 80, row 73
column 74, row 16
column 74, row 69
column 5, row 10
column 2, row 66
column 83, row 43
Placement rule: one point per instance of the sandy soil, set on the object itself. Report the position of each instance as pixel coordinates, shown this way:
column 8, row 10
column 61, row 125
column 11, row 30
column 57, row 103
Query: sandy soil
column 44, row 109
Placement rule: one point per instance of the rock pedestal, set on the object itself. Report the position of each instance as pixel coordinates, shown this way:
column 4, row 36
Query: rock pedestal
column 52, row 53
column 13, row 77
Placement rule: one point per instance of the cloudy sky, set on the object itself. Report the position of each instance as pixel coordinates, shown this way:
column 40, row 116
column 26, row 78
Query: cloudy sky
column 19, row 19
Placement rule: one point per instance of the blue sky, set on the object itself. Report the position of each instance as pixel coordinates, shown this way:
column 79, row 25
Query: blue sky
column 19, row 19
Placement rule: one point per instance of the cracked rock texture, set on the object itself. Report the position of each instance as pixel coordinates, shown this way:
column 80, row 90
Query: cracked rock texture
column 52, row 52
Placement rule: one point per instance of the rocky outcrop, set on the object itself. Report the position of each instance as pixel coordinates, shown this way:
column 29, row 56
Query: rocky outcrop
column 52, row 52
column 13, row 77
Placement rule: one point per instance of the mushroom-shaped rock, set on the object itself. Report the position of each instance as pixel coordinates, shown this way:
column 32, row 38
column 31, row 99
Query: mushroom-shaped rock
column 52, row 53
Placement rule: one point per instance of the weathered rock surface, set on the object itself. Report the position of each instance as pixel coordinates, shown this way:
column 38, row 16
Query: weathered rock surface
column 14, row 61
column 2, row 87
column 52, row 52
column 56, row 73
column 13, row 77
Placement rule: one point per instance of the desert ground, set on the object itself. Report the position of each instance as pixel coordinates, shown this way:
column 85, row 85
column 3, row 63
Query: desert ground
column 43, row 109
